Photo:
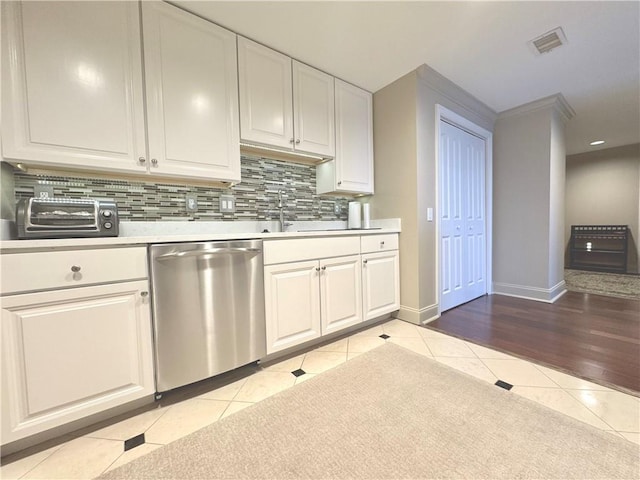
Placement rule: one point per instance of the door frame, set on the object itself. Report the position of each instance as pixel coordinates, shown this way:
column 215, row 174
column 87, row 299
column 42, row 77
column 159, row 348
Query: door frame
column 444, row 114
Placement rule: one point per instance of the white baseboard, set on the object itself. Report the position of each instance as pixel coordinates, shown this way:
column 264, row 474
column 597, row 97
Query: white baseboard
column 418, row 316
column 547, row 295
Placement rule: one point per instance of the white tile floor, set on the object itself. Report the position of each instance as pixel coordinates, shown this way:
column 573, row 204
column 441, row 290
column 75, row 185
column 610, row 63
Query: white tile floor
column 100, row 450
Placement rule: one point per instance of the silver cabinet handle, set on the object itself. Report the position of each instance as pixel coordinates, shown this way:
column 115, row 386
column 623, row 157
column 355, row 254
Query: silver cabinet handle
column 340, row 183
column 297, row 141
column 144, row 294
column 317, row 269
column 154, row 162
column 142, row 160
column 291, row 140
column 382, row 244
column 75, row 269
column 324, row 268
column 365, row 261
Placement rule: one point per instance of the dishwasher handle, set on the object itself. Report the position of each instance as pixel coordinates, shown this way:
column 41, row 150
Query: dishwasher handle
column 208, row 251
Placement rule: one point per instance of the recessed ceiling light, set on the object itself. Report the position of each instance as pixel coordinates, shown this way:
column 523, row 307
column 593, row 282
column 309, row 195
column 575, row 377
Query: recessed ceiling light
column 597, row 142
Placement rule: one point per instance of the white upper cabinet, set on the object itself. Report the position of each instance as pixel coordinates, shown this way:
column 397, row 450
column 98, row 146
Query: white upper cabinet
column 283, row 103
column 73, row 90
column 352, row 169
column 72, row 84
column 192, row 95
column 313, row 110
column 266, row 104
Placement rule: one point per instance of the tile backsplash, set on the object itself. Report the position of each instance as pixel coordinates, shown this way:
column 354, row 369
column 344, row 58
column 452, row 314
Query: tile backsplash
column 256, row 196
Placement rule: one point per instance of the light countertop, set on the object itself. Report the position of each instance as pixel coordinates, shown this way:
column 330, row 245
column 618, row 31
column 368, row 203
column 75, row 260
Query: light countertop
column 143, row 233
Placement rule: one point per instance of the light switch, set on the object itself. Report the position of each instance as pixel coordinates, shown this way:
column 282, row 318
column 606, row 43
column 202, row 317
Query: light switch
column 430, row 214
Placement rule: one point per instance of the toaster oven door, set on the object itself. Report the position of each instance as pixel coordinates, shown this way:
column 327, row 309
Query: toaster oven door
column 78, row 216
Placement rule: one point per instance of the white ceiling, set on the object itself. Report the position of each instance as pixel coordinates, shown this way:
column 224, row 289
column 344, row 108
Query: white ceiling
column 481, row 46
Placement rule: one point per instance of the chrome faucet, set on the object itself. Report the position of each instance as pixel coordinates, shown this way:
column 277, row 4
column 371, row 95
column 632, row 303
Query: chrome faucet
column 283, row 224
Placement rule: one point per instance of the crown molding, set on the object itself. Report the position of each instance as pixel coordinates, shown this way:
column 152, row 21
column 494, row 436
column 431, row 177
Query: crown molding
column 453, row 92
column 556, row 102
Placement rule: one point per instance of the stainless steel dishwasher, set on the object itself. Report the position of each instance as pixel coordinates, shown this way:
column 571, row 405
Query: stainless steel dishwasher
column 208, row 309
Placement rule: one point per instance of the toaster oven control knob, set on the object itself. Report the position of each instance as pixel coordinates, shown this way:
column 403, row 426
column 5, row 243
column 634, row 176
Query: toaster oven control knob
column 108, row 225
column 107, row 213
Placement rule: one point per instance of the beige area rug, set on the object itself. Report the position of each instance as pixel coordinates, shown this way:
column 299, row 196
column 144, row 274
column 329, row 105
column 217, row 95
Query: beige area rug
column 610, row 284
column 391, row 413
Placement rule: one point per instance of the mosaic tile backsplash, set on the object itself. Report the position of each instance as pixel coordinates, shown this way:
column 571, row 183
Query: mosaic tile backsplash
column 256, row 196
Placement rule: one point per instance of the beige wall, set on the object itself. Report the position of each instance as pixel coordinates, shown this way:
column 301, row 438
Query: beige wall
column 406, row 184
column 528, row 199
column 394, row 136
column 603, row 188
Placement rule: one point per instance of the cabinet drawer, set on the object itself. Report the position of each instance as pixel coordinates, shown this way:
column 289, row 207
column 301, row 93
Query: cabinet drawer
column 26, row 272
column 378, row 243
column 296, row 249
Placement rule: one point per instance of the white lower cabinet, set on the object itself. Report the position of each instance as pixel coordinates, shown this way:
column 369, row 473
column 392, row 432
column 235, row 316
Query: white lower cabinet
column 380, row 274
column 308, row 295
column 292, row 304
column 380, row 283
column 305, row 300
column 73, row 352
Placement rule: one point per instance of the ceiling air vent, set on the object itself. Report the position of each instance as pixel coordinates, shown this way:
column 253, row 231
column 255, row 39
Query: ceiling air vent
column 547, row 42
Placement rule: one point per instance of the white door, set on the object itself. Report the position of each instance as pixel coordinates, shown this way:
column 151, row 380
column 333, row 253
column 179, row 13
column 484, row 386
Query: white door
column 340, row 293
column 266, row 100
column 463, row 243
column 72, row 85
column 292, row 304
column 192, row 95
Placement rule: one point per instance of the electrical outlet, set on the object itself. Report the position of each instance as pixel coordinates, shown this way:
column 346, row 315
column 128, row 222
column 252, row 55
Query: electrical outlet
column 43, row 191
column 192, row 202
column 337, row 209
column 227, row 203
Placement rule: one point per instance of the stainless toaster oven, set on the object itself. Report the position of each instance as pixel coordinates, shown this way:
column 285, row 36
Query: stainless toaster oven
column 66, row 218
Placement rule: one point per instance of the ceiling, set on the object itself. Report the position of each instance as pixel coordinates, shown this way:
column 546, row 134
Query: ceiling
column 480, row 46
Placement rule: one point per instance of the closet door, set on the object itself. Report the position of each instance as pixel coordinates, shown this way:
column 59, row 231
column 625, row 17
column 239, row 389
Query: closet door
column 463, row 243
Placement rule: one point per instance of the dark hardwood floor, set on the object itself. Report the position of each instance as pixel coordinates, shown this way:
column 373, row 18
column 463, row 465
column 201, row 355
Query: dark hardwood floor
column 590, row 336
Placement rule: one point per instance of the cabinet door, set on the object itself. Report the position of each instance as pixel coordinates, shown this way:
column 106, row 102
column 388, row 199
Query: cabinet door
column 72, row 85
column 354, row 139
column 381, row 283
column 292, row 304
column 313, row 110
column 71, row 353
column 340, row 293
column 266, row 110
column 192, row 95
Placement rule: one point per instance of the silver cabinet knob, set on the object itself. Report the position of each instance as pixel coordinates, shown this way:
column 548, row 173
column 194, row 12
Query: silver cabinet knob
column 317, row 269
column 458, row 227
column 291, row 140
column 154, row 162
column 75, row 268
column 382, row 243
column 142, row 160
column 365, row 261
column 144, row 294
column 324, row 268
column 339, row 183
column 297, row 141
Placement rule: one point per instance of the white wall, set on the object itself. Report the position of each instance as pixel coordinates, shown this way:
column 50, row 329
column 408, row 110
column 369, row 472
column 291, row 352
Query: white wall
column 603, row 188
